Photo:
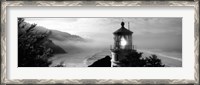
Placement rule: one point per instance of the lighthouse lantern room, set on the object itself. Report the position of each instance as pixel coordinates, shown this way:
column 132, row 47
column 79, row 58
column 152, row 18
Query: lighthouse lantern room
column 122, row 45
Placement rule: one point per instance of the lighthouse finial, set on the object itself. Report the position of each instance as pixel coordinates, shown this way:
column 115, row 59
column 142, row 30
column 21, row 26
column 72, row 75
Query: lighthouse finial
column 122, row 23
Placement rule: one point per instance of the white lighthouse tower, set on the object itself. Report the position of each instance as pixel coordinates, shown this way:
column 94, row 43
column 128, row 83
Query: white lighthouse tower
column 122, row 45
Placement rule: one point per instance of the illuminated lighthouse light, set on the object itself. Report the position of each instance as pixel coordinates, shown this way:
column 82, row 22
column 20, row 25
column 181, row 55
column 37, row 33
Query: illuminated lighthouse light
column 123, row 42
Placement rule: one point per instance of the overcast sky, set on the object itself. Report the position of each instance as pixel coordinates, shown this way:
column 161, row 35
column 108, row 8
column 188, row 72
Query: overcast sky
column 164, row 34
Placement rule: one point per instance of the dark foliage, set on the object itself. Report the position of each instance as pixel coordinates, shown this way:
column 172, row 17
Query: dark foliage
column 153, row 61
column 56, row 49
column 134, row 59
column 31, row 50
column 104, row 62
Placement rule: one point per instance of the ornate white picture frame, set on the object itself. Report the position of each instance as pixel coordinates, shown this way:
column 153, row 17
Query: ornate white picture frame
column 4, row 58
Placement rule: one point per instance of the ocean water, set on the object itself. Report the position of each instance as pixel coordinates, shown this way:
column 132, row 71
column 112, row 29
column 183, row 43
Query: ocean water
column 81, row 59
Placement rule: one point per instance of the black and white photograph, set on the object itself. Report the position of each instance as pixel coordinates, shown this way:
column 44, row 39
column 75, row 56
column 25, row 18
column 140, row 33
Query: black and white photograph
column 100, row 42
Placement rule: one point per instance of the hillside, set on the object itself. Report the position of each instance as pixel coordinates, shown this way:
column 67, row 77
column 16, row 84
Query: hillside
column 56, row 48
column 60, row 42
column 64, row 36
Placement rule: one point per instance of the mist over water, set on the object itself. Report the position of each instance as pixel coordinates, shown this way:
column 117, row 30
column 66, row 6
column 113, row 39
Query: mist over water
column 78, row 52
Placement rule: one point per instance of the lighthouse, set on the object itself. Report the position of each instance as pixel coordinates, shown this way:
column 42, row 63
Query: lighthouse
column 122, row 45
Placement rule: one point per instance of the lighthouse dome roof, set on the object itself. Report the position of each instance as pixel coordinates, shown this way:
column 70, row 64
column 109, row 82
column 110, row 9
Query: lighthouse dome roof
column 122, row 30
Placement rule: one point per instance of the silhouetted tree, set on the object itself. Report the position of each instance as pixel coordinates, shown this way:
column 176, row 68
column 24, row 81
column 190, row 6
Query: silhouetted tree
column 134, row 59
column 31, row 51
column 153, row 61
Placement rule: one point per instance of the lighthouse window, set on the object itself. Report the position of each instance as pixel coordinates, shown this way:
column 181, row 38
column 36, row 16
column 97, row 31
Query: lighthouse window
column 123, row 42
